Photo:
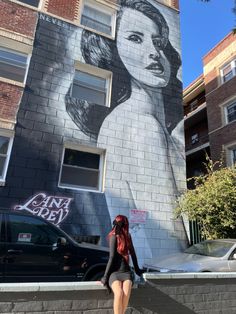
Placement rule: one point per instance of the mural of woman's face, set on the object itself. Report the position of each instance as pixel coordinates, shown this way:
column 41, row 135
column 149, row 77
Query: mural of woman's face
column 139, row 47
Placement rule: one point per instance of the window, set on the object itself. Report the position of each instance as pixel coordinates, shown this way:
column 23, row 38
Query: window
column 228, row 71
column 92, row 87
column 233, row 156
column 5, row 151
column 13, row 64
column 194, row 138
column 193, row 105
column 230, row 154
column 98, row 17
column 231, row 112
column 33, row 3
column 25, row 229
column 82, row 169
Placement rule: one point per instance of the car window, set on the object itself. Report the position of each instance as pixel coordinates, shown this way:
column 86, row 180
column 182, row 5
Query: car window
column 25, row 229
column 210, row 248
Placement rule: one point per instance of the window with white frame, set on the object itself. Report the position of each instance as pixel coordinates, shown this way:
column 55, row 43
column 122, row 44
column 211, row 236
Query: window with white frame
column 94, row 88
column 13, row 64
column 33, row 3
column 233, row 156
column 230, row 112
column 228, row 71
column 98, row 17
column 82, row 169
column 5, row 151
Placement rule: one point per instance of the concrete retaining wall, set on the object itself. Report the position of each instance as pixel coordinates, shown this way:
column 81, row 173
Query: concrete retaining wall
column 162, row 294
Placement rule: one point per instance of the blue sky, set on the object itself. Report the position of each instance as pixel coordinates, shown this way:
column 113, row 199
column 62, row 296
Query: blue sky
column 203, row 25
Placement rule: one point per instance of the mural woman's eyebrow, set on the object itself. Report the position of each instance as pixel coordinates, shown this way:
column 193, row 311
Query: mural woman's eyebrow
column 135, row 32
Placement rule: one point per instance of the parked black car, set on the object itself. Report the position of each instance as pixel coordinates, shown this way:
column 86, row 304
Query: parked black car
column 32, row 249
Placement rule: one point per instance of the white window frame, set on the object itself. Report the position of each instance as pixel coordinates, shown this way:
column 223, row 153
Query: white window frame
column 105, row 8
column 101, row 170
column 226, row 111
column 10, row 135
column 2, row 78
column 230, row 151
column 28, row 5
column 233, row 69
column 107, row 75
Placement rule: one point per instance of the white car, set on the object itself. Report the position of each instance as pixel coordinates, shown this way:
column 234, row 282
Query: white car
column 206, row 256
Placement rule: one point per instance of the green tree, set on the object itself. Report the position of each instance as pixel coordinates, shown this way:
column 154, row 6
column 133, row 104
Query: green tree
column 212, row 203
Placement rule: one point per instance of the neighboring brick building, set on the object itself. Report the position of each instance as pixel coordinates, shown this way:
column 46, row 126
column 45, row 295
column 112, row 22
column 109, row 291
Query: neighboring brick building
column 210, row 109
column 92, row 96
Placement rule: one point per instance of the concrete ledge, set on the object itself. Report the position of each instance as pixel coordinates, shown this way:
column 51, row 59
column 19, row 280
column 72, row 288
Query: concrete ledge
column 159, row 293
column 51, row 286
column 150, row 276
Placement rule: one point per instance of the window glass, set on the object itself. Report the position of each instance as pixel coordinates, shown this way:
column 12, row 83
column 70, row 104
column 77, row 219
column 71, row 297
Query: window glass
column 12, row 65
column 24, row 229
column 231, row 112
column 80, row 169
column 96, row 19
column 2, row 166
column 4, row 144
column 79, row 177
column 4, row 141
column 34, row 3
column 234, row 156
column 210, row 248
column 81, row 159
column 89, row 87
column 228, row 71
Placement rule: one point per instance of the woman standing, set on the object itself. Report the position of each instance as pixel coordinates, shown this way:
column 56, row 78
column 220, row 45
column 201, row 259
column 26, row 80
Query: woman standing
column 118, row 274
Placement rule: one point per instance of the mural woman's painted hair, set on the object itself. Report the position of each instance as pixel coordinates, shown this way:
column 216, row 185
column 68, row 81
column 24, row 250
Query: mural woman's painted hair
column 102, row 52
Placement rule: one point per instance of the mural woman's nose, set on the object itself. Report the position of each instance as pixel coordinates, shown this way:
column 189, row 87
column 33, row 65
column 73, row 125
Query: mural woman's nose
column 154, row 55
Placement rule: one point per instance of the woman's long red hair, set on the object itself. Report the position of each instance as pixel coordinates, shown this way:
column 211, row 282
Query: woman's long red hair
column 121, row 230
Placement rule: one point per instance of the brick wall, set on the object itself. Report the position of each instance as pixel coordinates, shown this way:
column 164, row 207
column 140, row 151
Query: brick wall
column 16, row 18
column 214, row 52
column 62, row 9
column 209, row 295
column 10, row 96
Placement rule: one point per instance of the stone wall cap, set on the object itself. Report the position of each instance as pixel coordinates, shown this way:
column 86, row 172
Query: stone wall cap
column 50, row 286
column 208, row 275
column 53, row 286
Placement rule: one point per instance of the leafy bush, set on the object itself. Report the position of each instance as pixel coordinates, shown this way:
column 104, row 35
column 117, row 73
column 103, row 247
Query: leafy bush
column 212, row 203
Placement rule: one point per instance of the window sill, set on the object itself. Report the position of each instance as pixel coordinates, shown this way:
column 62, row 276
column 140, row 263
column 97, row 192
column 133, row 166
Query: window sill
column 8, row 81
column 80, row 189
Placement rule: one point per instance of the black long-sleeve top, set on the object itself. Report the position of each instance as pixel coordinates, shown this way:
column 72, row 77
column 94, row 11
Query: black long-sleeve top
column 117, row 262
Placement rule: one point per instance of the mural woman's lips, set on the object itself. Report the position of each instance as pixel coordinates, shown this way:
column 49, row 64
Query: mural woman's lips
column 156, row 68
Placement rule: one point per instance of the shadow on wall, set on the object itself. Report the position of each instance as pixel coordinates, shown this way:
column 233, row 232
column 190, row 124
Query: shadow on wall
column 155, row 301
column 34, row 169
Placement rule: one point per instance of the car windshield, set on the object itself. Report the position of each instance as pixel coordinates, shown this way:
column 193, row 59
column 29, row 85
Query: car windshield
column 210, row 248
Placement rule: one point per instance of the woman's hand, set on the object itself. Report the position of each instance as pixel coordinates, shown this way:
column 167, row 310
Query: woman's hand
column 139, row 272
column 104, row 280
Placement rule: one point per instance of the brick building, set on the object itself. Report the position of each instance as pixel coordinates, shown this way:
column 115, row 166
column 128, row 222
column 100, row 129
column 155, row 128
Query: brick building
column 210, row 109
column 90, row 117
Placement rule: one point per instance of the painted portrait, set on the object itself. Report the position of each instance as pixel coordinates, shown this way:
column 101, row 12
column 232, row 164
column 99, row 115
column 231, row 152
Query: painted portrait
column 145, row 118
column 140, row 130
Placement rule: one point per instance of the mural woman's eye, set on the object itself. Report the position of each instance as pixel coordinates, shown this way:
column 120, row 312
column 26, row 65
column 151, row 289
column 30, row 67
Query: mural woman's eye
column 135, row 38
column 157, row 43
